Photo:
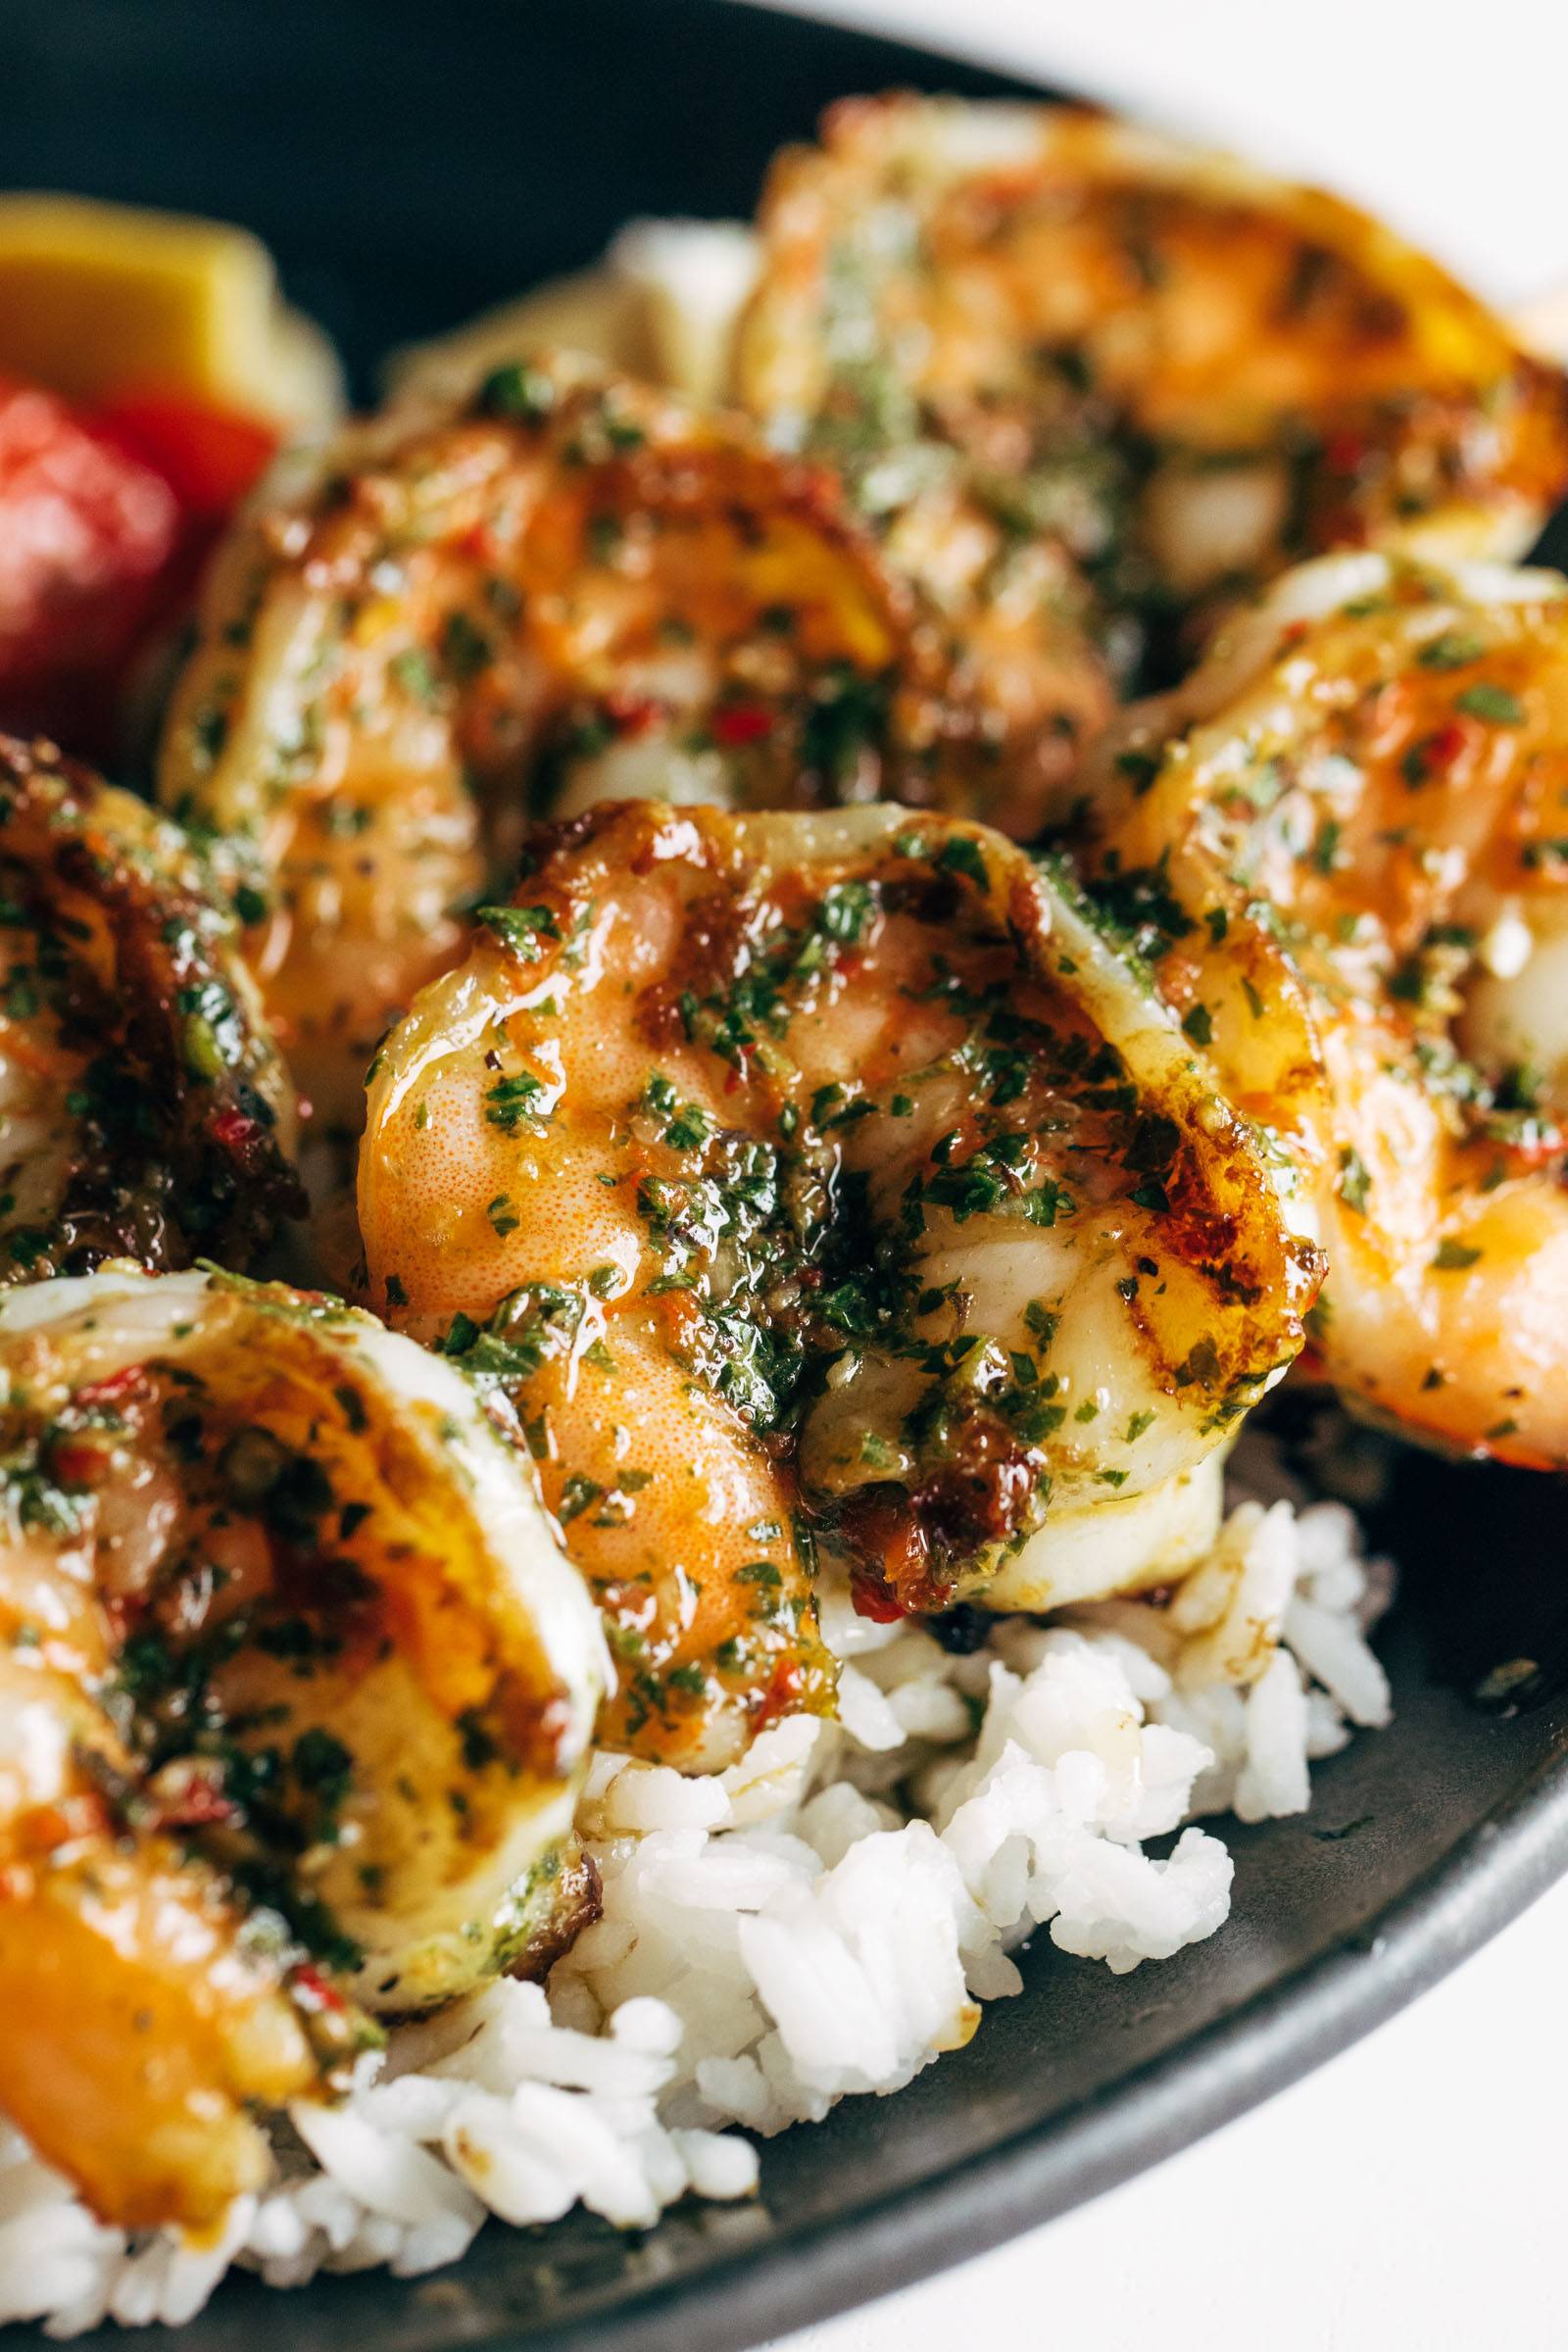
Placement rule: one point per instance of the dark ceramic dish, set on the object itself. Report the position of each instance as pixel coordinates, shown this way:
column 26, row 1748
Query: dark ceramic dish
column 409, row 163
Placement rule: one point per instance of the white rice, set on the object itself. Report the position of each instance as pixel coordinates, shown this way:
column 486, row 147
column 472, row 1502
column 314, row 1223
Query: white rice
column 822, row 1920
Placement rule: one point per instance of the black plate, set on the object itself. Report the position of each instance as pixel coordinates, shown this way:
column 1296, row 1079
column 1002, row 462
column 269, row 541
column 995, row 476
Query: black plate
column 410, row 162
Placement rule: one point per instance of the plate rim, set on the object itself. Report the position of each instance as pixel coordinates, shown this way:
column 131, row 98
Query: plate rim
column 817, row 2271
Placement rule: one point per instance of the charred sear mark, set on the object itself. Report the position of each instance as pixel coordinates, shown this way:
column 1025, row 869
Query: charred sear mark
column 119, row 971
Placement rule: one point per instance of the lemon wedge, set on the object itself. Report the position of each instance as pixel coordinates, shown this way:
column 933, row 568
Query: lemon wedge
column 98, row 300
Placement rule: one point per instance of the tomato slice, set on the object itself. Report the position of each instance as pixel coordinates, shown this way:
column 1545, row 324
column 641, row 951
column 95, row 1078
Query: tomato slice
column 105, row 521
column 208, row 456
column 85, row 530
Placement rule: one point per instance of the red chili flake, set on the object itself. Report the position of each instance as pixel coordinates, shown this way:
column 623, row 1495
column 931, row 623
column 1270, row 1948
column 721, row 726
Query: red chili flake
column 1293, row 634
column 199, row 1804
column 873, row 1597
column 782, row 1691
column 231, row 1130
column 312, row 1991
column 630, row 713
column 1430, row 755
column 114, row 1387
column 480, row 544
column 743, row 722
column 1343, row 451
column 78, row 1465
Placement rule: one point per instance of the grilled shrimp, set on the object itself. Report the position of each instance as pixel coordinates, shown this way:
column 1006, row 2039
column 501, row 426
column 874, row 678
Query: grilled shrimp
column 1344, row 846
column 1183, row 371
column 143, row 1109
column 824, row 1181
column 294, row 1689
column 564, row 588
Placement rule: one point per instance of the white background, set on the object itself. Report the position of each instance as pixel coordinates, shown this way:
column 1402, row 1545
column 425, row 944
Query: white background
column 1414, row 2192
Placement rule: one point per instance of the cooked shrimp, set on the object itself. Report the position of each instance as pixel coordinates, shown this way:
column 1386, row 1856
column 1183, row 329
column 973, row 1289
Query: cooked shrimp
column 294, row 1689
column 566, row 589
column 821, row 1179
column 1344, row 845
column 1014, row 604
column 1186, row 372
column 143, row 1109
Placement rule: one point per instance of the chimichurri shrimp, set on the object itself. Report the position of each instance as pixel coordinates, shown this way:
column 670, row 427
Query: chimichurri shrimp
column 565, row 588
column 1344, row 846
column 1186, row 372
column 294, row 1688
column 143, row 1109
column 821, row 1180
